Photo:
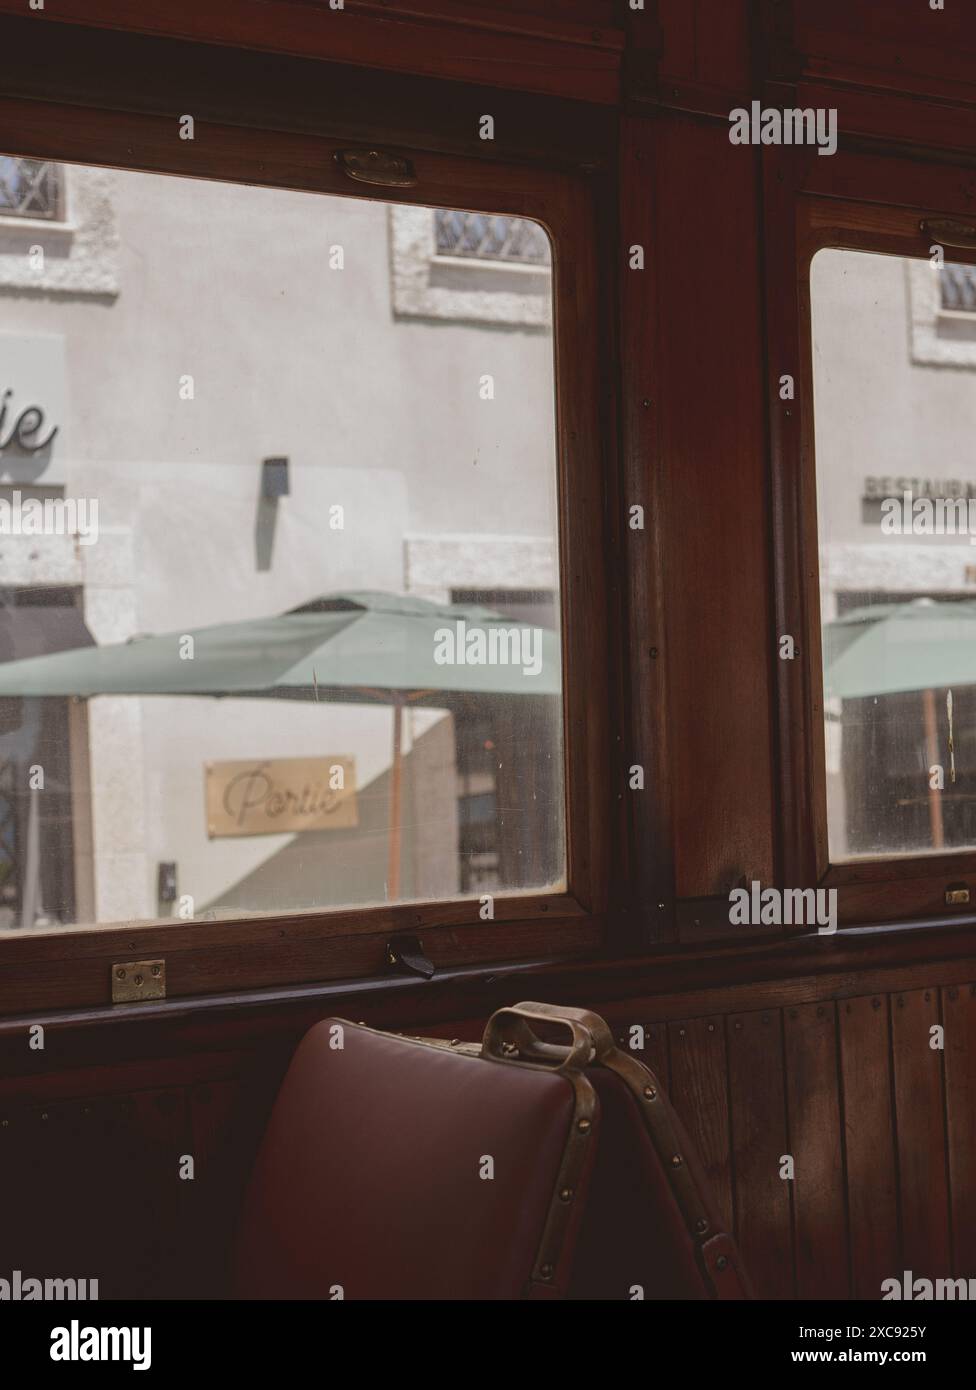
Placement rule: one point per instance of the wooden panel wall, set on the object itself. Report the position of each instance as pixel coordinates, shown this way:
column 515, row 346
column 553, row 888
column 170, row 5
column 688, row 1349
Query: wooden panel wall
column 713, row 445
column 877, row 1119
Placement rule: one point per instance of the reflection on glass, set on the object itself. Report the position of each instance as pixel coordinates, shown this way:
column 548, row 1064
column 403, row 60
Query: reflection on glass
column 279, row 594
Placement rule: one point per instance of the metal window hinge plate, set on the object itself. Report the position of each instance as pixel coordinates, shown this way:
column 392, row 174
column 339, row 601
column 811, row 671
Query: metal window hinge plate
column 135, row 980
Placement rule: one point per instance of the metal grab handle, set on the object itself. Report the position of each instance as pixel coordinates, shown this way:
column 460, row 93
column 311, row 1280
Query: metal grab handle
column 509, row 1036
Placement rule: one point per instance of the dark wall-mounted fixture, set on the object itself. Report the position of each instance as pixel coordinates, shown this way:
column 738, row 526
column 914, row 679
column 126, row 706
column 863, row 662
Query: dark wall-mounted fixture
column 274, row 478
column 166, row 878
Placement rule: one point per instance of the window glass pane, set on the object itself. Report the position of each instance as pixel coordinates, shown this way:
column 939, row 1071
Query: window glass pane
column 894, row 351
column 279, row 571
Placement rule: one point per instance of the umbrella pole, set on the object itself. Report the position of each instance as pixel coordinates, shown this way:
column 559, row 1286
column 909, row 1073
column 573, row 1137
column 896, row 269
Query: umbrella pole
column 932, row 749
column 30, row 898
column 396, row 789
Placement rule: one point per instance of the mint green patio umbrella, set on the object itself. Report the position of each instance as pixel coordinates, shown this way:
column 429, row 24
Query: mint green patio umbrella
column 361, row 647
column 888, row 648
column 893, row 648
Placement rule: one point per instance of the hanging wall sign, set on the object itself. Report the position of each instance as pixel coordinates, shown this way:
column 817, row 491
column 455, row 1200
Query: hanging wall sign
column 32, row 409
column 280, row 796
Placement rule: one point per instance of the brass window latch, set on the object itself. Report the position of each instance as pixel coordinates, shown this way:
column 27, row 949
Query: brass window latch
column 948, row 231
column 407, row 952
column 377, row 166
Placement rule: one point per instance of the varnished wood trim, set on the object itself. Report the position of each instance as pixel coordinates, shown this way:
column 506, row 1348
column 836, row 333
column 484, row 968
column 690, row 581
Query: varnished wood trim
column 464, row 42
column 101, row 71
column 683, row 984
column 641, row 598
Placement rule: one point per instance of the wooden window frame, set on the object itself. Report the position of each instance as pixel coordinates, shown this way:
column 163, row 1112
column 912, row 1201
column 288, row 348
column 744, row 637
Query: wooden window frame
column 858, row 199
column 71, row 968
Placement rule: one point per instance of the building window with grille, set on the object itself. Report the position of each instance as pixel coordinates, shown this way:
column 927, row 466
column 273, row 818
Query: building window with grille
column 958, row 285
column 31, row 188
column 942, row 313
column 486, row 238
column 58, row 229
column 470, row 268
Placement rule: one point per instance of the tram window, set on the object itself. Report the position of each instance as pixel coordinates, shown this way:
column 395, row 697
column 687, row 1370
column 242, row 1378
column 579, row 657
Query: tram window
column 287, row 461
column 894, row 357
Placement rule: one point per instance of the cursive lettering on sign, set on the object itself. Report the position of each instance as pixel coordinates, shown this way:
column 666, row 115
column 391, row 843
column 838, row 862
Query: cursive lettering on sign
column 255, row 790
column 280, row 796
column 24, row 428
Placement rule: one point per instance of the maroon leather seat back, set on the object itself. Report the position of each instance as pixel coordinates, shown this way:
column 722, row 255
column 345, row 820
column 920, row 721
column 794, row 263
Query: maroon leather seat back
column 395, row 1168
column 370, row 1176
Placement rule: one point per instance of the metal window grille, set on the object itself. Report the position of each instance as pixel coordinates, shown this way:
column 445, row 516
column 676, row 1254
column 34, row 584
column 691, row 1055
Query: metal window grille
column 958, row 287
column 29, row 188
column 489, row 238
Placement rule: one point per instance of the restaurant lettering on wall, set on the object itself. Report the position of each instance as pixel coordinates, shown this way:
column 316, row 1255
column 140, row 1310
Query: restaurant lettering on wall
column 878, row 488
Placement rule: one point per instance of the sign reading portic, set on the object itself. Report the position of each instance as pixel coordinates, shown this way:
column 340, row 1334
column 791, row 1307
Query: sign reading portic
column 280, row 796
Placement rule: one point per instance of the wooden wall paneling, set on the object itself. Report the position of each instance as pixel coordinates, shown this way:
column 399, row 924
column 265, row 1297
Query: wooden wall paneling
column 589, row 513
column 211, row 1105
column 221, row 1158
column 161, row 1122
column 179, row 1041
column 876, row 203
column 656, row 1054
column 643, row 595
column 763, row 1223
column 904, row 21
column 906, row 121
column 651, row 1043
column 706, row 54
column 916, row 49
column 678, row 21
column 723, row 48
column 38, row 986
column 699, row 1091
column 126, row 73
column 921, row 1135
column 710, row 397
column 537, row 53
column 816, row 1143
column 959, row 1021
column 773, row 1077
column 799, row 700
column 511, row 16
column 643, row 42
column 91, row 1190
column 869, row 1143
